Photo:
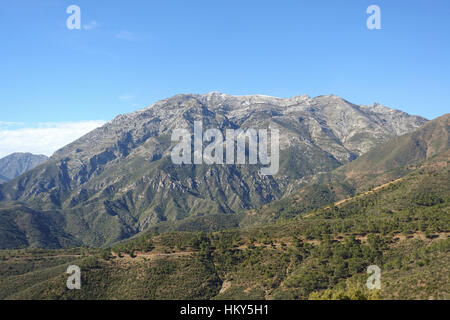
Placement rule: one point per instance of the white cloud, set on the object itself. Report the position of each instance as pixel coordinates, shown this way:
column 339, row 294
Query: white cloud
column 126, row 35
column 45, row 138
column 91, row 25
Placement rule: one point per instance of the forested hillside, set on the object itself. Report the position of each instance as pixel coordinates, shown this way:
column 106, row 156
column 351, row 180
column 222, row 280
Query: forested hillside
column 402, row 227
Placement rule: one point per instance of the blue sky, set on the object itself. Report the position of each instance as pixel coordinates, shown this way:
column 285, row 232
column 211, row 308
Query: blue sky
column 129, row 54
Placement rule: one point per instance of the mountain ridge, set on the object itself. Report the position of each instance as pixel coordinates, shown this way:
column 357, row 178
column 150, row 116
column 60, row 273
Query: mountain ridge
column 118, row 180
column 17, row 163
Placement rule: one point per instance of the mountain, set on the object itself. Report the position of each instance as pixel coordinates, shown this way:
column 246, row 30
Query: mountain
column 3, row 179
column 389, row 208
column 22, row 227
column 383, row 164
column 372, row 168
column 16, row 164
column 402, row 228
column 119, row 180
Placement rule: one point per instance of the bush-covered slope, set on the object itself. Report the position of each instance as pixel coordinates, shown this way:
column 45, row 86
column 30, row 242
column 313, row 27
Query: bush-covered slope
column 22, row 227
column 388, row 162
column 402, row 227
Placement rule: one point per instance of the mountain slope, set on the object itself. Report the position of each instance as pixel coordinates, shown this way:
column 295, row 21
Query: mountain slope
column 16, row 164
column 22, row 227
column 420, row 145
column 119, row 179
column 402, row 228
column 390, row 161
column 3, row 179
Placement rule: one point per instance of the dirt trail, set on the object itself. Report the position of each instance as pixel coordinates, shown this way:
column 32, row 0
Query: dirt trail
column 338, row 203
column 153, row 255
column 47, row 257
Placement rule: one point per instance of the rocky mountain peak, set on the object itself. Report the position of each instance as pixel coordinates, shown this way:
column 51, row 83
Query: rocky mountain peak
column 121, row 173
column 18, row 163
